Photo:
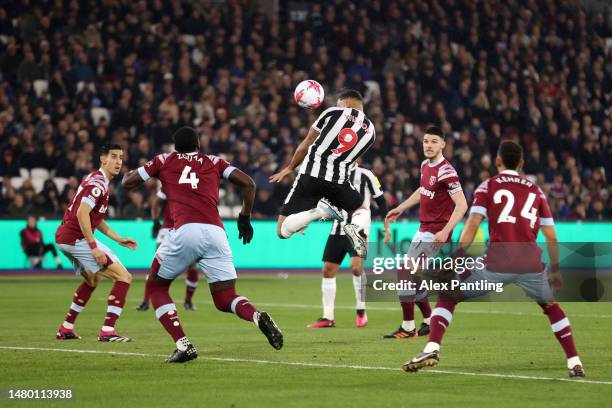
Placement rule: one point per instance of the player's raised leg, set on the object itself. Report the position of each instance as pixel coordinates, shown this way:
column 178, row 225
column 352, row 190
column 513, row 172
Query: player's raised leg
column 191, row 284
column 227, row 300
column 218, row 267
column 328, row 290
column 359, row 282
column 563, row 332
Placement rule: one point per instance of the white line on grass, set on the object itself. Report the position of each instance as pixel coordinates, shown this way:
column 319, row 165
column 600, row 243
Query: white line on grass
column 395, row 309
column 315, row 365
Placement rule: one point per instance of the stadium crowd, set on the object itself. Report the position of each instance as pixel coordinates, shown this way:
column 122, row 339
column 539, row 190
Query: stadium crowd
column 77, row 74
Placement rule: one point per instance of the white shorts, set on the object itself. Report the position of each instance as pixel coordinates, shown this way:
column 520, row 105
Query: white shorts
column 161, row 235
column 535, row 285
column 82, row 259
column 205, row 244
column 420, row 245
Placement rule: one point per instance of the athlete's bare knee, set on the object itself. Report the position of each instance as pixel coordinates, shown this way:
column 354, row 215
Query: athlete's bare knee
column 330, row 270
column 356, row 270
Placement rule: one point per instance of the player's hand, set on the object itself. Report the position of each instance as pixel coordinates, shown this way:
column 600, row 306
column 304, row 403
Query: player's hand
column 554, row 278
column 99, row 256
column 393, row 214
column 156, row 228
column 278, row 177
column 441, row 236
column 386, row 228
column 128, row 243
column 245, row 229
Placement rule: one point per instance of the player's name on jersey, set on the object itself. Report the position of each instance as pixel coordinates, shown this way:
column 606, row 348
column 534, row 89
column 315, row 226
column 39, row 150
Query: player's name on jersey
column 432, row 286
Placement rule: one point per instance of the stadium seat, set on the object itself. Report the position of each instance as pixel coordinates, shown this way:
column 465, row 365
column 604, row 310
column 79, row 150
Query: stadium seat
column 189, row 39
column 17, row 182
column 225, row 211
column 81, row 85
column 40, row 87
column 99, row 113
column 39, row 176
column 60, row 183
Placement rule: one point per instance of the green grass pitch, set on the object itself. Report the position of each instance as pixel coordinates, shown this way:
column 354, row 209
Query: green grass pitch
column 494, row 354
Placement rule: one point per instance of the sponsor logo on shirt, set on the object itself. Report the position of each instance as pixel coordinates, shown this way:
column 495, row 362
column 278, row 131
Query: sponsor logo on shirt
column 428, row 193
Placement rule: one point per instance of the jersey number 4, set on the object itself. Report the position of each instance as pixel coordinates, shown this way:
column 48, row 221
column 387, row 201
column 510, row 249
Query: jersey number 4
column 527, row 211
column 347, row 139
column 189, row 177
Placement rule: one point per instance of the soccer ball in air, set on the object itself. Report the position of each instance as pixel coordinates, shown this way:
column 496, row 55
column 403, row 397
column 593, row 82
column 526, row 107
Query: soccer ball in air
column 309, row 94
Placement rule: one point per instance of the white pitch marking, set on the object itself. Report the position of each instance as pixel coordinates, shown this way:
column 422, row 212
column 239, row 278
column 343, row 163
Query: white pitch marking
column 395, row 309
column 315, row 365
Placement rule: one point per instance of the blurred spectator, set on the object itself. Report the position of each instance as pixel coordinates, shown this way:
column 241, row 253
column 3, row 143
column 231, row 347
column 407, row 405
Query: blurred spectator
column 135, row 207
column 34, row 247
column 483, row 72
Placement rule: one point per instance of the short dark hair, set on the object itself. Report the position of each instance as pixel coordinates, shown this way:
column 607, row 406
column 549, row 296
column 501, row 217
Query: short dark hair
column 185, row 140
column 108, row 147
column 511, row 154
column 350, row 93
column 435, row 130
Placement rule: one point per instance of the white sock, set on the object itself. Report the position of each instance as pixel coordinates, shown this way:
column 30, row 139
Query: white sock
column 573, row 361
column 361, row 218
column 296, row 222
column 108, row 328
column 408, row 325
column 359, row 286
column 430, row 347
column 57, row 260
column 328, row 288
column 182, row 343
column 427, row 320
column 68, row 326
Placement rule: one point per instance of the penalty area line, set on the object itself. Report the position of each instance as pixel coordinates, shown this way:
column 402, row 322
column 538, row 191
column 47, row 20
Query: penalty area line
column 314, row 365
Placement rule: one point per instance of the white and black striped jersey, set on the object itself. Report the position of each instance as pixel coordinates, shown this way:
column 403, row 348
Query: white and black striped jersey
column 344, row 135
column 368, row 186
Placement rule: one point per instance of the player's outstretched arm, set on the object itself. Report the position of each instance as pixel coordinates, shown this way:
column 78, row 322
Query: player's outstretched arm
column 469, row 231
column 457, row 215
column 109, row 232
column 247, row 189
column 131, row 180
column 298, row 157
column 411, row 201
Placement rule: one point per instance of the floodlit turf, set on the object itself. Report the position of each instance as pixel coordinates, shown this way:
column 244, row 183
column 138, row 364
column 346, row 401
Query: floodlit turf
column 510, row 339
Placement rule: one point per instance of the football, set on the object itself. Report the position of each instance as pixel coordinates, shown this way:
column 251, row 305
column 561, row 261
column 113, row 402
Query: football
column 309, row 94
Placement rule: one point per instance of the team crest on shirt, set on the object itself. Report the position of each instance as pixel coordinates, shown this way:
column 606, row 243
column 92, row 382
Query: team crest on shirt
column 432, row 180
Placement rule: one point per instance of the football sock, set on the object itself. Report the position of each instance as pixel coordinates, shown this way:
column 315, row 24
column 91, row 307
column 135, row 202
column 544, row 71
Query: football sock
column 563, row 331
column 79, row 300
column 116, row 301
column 165, row 309
column 191, row 283
column 297, row 222
column 147, row 295
column 425, row 310
column 359, row 287
column 441, row 317
column 408, row 315
column 361, row 218
column 227, row 300
column 328, row 289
